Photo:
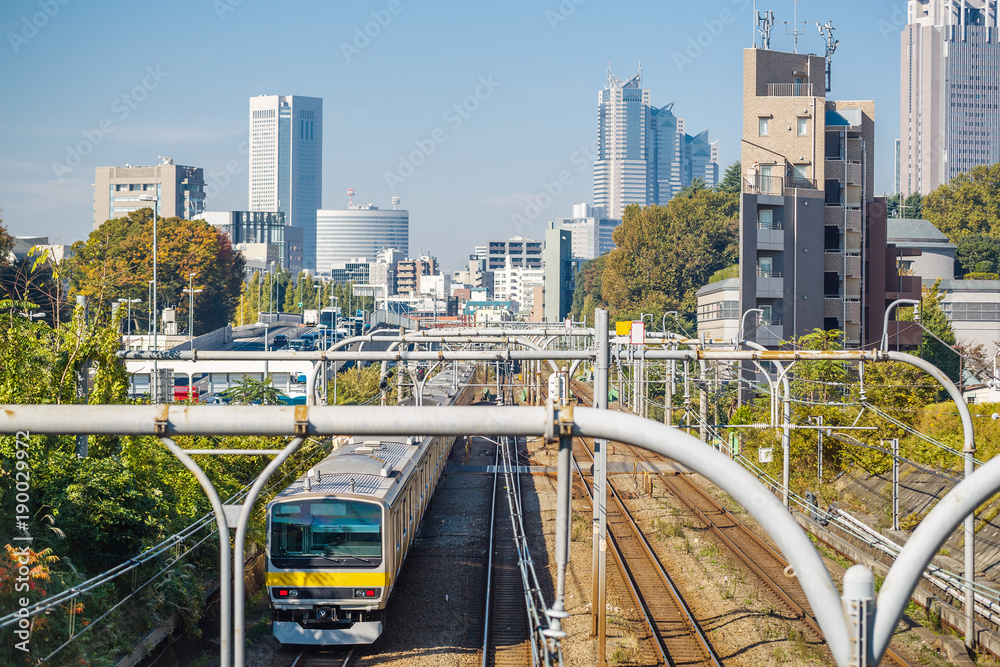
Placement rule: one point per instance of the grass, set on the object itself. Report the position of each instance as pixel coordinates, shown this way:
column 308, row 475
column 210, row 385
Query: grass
column 626, row 651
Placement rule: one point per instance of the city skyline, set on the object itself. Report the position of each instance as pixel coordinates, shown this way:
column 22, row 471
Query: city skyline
column 442, row 123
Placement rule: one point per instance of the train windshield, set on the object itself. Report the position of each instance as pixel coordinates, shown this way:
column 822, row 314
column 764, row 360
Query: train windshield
column 331, row 527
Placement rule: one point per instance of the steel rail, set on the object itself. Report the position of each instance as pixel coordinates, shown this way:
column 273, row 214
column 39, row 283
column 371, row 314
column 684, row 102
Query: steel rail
column 489, row 561
column 695, row 629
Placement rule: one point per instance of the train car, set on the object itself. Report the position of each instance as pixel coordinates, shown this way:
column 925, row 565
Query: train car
column 338, row 536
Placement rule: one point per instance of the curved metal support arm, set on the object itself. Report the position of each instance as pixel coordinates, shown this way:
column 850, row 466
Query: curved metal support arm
column 744, row 487
column 225, row 555
column 239, row 608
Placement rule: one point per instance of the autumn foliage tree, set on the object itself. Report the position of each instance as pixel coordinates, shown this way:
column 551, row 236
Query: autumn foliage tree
column 116, row 262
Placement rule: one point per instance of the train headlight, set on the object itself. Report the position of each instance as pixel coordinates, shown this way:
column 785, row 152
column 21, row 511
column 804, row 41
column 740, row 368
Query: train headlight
column 366, row 593
column 286, row 592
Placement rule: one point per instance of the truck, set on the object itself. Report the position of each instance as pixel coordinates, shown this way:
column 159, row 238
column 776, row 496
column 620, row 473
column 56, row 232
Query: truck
column 310, row 317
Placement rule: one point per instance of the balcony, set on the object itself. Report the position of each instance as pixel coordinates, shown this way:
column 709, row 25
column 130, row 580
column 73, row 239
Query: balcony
column 790, row 90
column 761, row 184
column 769, row 333
column 770, row 236
column 801, row 183
column 770, row 285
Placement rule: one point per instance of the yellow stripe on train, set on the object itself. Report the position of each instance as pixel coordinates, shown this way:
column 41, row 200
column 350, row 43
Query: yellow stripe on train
column 329, row 579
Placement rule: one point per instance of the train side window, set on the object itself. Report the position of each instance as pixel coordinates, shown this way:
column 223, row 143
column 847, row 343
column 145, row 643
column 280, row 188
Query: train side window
column 404, row 517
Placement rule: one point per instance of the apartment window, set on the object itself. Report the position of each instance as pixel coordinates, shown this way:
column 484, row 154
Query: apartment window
column 762, row 126
column 765, row 266
column 802, row 126
column 765, row 315
column 765, row 218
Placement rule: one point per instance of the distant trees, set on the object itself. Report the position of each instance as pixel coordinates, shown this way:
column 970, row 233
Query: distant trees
column 968, row 204
column 116, row 262
column 911, row 207
column 731, row 180
column 664, row 254
column 977, row 253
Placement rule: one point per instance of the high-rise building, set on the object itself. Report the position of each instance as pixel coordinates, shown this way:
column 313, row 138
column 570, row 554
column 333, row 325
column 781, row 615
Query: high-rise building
column 592, row 235
column 180, row 190
column 286, row 162
column 812, row 236
column 358, row 231
column 644, row 156
column 949, row 97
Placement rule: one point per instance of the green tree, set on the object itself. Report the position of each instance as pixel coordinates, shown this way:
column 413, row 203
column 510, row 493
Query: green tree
column 732, row 180
column 587, row 294
column 937, row 336
column 697, row 185
column 249, row 391
column 116, row 262
column 968, row 204
column 6, row 242
column 911, row 207
column 977, row 253
column 664, row 254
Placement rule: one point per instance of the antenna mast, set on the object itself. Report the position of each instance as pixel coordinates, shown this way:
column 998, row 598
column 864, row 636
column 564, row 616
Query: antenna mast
column 794, row 31
column 765, row 22
column 826, row 31
column 350, row 197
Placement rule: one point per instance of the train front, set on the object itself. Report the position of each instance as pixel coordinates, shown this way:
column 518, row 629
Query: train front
column 326, row 566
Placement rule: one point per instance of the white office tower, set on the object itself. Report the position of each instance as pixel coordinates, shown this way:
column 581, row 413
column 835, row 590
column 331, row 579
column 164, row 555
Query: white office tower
column 286, row 162
column 949, row 97
column 644, row 155
column 623, row 114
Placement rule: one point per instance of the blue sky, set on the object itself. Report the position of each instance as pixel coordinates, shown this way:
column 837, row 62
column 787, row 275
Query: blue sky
column 91, row 84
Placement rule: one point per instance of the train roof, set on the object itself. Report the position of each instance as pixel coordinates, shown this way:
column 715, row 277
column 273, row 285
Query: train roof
column 370, row 466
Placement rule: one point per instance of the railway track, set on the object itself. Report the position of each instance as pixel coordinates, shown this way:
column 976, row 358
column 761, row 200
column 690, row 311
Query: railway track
column 755, row 554
column 505, row 633
column 678, row 636
column 320, row 656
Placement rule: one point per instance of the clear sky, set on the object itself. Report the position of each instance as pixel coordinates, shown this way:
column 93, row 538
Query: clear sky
column 471, row 112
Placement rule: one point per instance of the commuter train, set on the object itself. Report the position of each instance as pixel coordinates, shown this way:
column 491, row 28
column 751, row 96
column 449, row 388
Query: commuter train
column 337, row 537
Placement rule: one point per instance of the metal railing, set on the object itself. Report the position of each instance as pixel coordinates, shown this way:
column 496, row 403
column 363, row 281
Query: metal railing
column 763, row 184
column 790, row 89
column 774, row 226
column 762, row 273
column 801, row 183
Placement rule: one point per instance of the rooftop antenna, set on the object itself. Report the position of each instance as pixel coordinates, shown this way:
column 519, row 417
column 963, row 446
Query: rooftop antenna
column 395, row 203
column 794, row 31
column 826, row 31
column 350, row 197
column 765, row 22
